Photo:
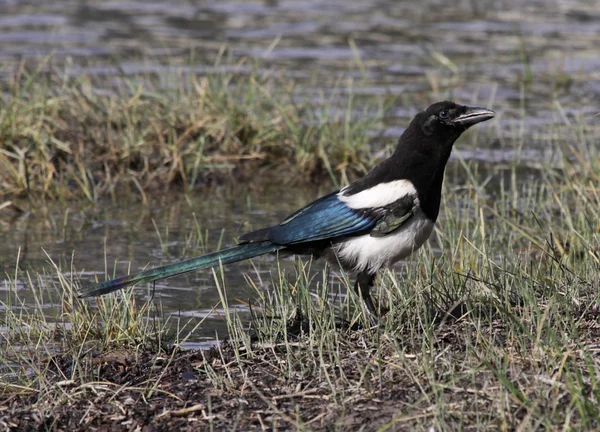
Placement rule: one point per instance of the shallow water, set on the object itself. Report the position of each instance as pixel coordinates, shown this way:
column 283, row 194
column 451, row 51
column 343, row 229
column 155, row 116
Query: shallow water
column 476, row 52
column 164, row 231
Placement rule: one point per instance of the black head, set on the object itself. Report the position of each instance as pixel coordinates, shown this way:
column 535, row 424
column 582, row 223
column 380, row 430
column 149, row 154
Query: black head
column 424, row 149
column 448, row 119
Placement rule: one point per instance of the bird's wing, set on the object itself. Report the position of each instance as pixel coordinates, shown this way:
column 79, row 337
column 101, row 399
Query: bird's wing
column 394, row 215
column 331, row 217
column 326, row 218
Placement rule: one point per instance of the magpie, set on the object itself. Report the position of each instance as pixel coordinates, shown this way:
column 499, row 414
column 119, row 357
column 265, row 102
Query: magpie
column 370, row 224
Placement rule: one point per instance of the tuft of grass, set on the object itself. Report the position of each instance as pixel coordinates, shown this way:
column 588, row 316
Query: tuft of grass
column 65, row 136
column 60, row 325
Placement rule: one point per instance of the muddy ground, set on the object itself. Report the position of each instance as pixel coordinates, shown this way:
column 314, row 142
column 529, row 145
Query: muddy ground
column 368, row 381
column 186, row 398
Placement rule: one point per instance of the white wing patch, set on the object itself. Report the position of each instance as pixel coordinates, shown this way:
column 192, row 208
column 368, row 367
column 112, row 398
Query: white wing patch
column 379, row 195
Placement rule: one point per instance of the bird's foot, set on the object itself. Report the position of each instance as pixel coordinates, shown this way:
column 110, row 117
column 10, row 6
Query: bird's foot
column 374, row 314
column 371, row 312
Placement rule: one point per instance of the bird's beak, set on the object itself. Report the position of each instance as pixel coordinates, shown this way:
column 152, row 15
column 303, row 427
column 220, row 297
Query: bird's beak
column 474, row 115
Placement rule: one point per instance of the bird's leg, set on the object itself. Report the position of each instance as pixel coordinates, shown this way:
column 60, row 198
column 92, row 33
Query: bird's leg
column 362, row 287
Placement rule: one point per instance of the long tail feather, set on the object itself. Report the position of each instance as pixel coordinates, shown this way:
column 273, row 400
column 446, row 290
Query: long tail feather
column 226, row 256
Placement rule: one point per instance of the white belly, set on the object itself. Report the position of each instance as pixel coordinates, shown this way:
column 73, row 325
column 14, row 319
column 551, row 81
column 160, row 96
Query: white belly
column 373, row 253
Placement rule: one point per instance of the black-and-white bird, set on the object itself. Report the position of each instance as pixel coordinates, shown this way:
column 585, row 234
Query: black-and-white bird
column 372, row 223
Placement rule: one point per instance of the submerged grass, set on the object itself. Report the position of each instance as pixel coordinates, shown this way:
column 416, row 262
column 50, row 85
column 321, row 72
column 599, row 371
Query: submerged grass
column 71, row 136
column 493, row 326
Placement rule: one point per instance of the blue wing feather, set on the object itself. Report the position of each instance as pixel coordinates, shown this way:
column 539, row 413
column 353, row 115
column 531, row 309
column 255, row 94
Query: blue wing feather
column 325, row 218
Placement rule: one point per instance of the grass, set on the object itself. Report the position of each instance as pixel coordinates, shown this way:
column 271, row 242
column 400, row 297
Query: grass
column 493, row 326
column 64, row 137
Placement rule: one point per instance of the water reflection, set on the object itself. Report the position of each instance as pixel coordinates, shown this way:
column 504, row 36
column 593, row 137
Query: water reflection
column 129, row 234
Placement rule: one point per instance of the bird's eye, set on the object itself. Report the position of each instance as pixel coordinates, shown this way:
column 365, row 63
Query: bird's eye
column 443, row 114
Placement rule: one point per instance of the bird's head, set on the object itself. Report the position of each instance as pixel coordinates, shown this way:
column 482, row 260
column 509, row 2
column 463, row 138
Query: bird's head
column 447, row 120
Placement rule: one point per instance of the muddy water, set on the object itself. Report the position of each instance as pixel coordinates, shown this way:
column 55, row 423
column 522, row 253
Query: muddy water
column 168, row 229
column 520, row 57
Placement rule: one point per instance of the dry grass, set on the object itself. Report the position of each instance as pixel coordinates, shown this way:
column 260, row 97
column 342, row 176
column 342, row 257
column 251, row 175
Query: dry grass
column 64, row 137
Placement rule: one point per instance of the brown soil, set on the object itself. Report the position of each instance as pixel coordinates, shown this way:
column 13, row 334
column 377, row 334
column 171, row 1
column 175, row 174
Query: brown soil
column 258, row 397
column 355, row 385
